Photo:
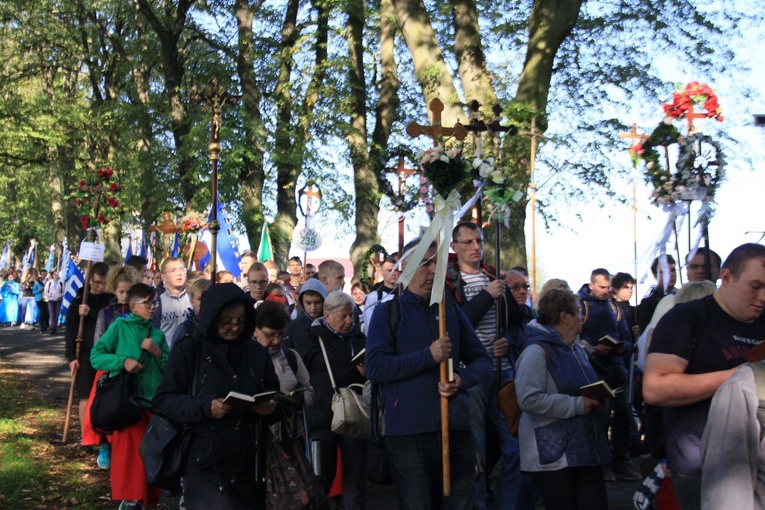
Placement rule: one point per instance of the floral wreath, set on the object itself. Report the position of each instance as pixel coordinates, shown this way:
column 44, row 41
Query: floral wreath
column 693, row 93
column 658, row 176
column 497, row 186
column 89, row 197
column 695, row 181
column 376, row 248
column 191, row 223
column 416, row 192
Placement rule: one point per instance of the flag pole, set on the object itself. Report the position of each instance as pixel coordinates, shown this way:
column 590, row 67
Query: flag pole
column 79, row 339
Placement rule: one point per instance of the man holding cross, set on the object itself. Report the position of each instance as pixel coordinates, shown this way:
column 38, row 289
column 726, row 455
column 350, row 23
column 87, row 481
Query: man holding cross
column 404, row 359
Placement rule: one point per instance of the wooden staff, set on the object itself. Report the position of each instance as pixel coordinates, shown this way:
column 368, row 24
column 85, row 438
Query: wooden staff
column 78, row 345
column 498, row 301
column 437, row 131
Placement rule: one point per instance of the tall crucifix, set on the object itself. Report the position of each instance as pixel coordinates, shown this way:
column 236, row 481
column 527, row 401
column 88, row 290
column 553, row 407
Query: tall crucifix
column 402, row 172
column 437, row 132
column 213, row 99
column 167, row 227
column 535, row 137
column 636, row 139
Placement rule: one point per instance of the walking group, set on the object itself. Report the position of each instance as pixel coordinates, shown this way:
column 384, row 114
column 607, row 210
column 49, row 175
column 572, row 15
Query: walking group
column 292, row 345
column 30, row 299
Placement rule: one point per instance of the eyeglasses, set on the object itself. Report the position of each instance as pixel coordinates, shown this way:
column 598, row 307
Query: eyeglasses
column 228, row 326
column 98, row 282
column 470, row 242
column 259, row 283
column 176, row 270
column 147, row 304
column 519, row 286
column 274, row 335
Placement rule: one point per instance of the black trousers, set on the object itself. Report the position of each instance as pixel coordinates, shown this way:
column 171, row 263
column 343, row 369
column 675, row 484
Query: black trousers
column 354, row 459
column 574, row 488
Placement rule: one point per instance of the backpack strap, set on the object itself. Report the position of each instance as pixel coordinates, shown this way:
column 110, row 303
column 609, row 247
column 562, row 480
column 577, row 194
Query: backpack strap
column 291, row 359
column 759, row 379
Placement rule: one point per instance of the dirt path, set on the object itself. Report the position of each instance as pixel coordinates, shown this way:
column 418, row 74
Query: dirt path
column 37, row 360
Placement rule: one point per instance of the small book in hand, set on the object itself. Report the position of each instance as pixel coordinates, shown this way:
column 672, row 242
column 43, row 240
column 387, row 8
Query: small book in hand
column 297, row 391
column 609, row 340
column 756, row 353
column 358, row 359
column 598, row 391
column 244, row 401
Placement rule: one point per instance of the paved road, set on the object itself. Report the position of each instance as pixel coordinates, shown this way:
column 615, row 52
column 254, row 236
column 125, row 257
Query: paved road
column 40, row 357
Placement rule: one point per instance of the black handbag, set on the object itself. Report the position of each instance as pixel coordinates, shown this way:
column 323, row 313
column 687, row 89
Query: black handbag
column 165, row 446
column 164, row 450
column 111, row 408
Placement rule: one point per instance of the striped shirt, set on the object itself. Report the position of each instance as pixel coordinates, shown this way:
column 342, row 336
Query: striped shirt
column 487, row 326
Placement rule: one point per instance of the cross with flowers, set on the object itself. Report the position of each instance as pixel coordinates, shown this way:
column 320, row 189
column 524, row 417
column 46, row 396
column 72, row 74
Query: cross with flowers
column 684, row 99
column 90, row 196
column 402, row 172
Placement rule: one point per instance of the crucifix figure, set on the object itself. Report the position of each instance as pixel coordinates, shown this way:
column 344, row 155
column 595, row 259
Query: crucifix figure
column 213, row 99
column 167, row 227
column 436, row 130
column 402, row 172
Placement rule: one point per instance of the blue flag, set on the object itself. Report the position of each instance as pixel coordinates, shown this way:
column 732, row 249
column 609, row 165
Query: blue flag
column 228, row 244
column 176, row 245
column 63, row 267
column 28, row 260
column 74, row 281
column 129, row 252
column 144, row 247
column 50, row 264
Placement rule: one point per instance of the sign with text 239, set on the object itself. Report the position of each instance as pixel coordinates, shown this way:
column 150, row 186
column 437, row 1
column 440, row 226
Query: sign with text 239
column 307, row 239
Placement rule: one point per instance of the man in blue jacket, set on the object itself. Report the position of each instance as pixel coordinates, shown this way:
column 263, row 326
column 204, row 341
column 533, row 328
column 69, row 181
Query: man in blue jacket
column 404, row 359
column 601, row 319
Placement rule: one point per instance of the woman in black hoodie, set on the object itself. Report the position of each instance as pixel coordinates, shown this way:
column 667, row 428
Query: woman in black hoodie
column 224, row 468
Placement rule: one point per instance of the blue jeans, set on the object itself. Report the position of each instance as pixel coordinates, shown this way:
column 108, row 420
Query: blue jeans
column 415, row 463
column 514, row 489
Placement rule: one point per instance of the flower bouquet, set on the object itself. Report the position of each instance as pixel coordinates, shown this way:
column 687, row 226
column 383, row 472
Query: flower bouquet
column 693, row 93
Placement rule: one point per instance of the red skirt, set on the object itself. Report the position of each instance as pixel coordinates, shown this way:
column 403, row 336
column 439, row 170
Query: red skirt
column 127, row 476
column 89, row 436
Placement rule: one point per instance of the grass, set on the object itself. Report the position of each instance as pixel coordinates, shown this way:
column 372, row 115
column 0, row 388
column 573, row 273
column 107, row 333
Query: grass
column 37, row 471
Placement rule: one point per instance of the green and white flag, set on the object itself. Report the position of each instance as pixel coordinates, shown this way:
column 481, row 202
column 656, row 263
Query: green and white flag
column 265, row 250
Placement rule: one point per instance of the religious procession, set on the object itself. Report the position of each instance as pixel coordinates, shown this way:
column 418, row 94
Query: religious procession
column 292, row 258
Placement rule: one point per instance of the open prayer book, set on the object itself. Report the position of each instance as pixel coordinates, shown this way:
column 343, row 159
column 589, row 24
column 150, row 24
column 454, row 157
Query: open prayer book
column 599, row 391
column 243, row 401
column 609, row 340
column 358, row 359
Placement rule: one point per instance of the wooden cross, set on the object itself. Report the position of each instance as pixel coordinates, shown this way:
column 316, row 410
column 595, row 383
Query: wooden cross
column 691, row 116
column 402, row 172
column 634, row 136
column 436, row 131
column 167, row 227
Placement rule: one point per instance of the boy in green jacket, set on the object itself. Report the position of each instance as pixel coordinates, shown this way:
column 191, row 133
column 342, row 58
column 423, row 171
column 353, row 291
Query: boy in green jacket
column 133, row 344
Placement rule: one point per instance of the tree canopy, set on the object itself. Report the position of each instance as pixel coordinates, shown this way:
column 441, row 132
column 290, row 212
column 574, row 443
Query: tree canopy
column 326, row 89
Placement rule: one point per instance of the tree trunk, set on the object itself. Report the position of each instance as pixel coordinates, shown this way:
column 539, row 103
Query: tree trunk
column 252, row 174
column 474, row 75
column 169, row 34
column 429, row 66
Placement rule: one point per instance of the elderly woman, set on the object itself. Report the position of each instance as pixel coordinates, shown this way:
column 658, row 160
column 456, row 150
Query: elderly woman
column 270, row 324
column 562, row 442
column 222, row 468
column 342, row 340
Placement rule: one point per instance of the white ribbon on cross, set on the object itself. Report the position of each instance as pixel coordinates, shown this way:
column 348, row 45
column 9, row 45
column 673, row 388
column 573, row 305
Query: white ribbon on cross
column 440, row 230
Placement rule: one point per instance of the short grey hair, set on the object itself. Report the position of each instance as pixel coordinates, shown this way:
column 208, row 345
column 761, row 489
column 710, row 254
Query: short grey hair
column 337, row 300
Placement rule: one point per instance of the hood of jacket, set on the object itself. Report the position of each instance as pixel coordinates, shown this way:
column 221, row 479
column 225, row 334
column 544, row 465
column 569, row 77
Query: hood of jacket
column 313, row 284
column 537, row 333
column 214, row 300
column 584, row 294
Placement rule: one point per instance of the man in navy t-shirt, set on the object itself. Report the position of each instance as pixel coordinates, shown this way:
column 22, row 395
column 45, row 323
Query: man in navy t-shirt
column 687, row 362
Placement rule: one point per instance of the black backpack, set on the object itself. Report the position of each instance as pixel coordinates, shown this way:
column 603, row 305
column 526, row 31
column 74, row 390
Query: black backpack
column 653, row 416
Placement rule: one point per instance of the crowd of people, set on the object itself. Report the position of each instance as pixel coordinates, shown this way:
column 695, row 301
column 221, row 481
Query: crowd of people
column 31, row 299
column 191, row 342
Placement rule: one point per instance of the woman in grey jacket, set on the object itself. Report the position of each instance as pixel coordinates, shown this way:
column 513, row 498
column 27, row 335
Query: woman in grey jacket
column 562, row 444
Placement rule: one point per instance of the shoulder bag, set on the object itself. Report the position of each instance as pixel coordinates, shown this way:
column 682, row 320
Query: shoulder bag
column 350, row 415
column 112, row 408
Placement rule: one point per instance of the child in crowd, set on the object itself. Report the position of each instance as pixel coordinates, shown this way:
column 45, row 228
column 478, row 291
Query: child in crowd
column 119, row 281
column 133, row 344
